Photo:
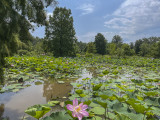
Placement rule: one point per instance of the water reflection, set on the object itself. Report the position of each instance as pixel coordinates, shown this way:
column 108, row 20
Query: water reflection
column 2, row 112
column 92, row 71
column 55, row 90
column 13, row 105
column 1, row 76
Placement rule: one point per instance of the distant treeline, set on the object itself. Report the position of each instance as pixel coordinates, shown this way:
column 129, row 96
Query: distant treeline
column 146, row 47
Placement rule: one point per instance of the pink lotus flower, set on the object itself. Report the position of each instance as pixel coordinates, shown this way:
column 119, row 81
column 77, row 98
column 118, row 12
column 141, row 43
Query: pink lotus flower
column 12, row 65
column 78, row 111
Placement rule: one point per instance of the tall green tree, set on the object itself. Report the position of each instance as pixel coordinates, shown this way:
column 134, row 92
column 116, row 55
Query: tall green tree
column 100, row 43
column 127, row 51
column 144, row 49
column 60, row 32
column 117, row 40
column 13, row 12
column 137, row 46
column 82, row 47
column 91, row 48
column 158, row 49
column 112, row 48
column 132, row 45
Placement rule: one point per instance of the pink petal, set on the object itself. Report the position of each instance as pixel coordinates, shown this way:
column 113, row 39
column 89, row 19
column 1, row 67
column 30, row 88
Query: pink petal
column 76, row 107
column 81, row 104
column 84, row 113
column 75, row 102
column 79, row 116
column 84, row 107
column 74, row 113
column 70, row 107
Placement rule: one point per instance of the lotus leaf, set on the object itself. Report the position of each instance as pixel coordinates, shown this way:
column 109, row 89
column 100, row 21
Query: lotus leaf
column 98, row 110
column 53, row 103
column 121, row 117
column 37, row 111
column 79, row 91
column 58, row 116
column 97, row 87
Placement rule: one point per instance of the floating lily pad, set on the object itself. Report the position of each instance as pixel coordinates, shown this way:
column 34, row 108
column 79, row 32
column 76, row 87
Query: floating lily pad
column 38, row 83
column 61, row 82
column 37, row 111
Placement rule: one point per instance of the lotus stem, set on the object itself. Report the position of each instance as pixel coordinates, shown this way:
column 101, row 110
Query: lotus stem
column 105, row 115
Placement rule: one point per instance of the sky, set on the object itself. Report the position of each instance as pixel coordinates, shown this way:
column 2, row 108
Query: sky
column 131, row 19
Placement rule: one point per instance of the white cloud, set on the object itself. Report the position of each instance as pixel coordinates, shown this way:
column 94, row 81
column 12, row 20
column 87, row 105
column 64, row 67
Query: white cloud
column 49, row 14
column 88, row 37
column 86, row 8
column 135, row 17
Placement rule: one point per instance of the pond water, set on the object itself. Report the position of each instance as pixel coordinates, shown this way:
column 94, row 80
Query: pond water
column 13, row 105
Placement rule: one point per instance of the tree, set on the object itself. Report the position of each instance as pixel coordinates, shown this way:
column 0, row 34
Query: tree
column 12, row 13
column 132, row 45
column 91, row 48
column 61, row 33
column 117, row 40
column 137, row 46
column 82, row 47
column 100, row 43
column 155, row 50
column 144, row 49
column 112, row 48
column 126, row 50
column 158, row 49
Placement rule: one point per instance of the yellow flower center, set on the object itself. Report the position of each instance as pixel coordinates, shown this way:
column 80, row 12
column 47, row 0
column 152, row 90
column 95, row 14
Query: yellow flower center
column 78, row 109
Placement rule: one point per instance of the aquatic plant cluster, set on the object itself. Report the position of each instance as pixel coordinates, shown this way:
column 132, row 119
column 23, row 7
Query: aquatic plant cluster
column 120, row 88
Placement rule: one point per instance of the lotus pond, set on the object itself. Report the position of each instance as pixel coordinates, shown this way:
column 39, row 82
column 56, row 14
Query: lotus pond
column 40, row 87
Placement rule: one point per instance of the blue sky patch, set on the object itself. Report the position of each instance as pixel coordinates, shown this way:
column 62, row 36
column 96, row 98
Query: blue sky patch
column 131, row 19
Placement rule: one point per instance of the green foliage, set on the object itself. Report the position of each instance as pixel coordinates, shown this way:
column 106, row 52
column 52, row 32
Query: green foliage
column 122, row 117
column 137, row 46
column 97, row 87
column 144, row 49
column 82, row 47
column 91, row 48
column 147, row 46
column 89, row 55
column 127, row 89
column 98, row 110
column 111, row 48
column 15, row 17
column 53, row 103
column 60, row 33
column 126, row 50
column 37, row 111
column 23, row 52
column 58, row 116
column 117, row 40
column 105, row 72
column 79, row 91
column 100, row 43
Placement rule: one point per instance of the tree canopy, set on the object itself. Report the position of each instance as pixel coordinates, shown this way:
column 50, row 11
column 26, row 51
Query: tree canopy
column 14, row 14
column 100, row 43
column 60, row 33
column 117, row 40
